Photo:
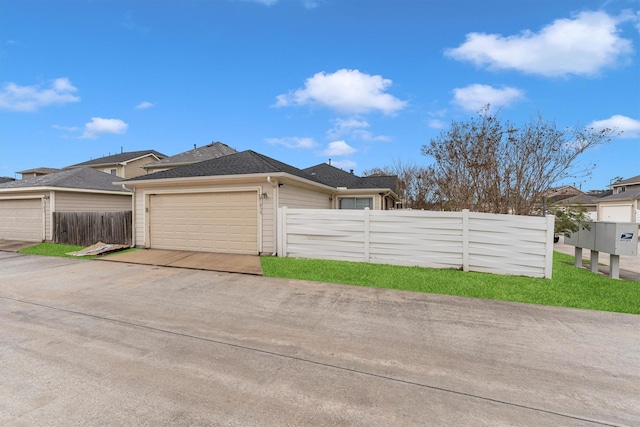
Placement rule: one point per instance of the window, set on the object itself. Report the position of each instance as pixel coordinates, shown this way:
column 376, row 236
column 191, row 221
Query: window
column 113, row 171
column 356, row 202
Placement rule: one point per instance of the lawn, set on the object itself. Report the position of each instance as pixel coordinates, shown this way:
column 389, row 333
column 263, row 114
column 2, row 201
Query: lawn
column 54, row 249
column 569, row 287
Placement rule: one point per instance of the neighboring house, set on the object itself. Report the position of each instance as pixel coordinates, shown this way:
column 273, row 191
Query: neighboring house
column 586, row 201
column 560, row 193
column 32, row 173
column 4, row 179
column 229, row 204
column 27, row 205
column 624, row 204
column 124, row 165
column 207, row 152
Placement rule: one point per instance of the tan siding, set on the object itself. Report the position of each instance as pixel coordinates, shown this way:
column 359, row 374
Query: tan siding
column 302, row 198
column 138, row 220
column 87, row 202
column 134, row 169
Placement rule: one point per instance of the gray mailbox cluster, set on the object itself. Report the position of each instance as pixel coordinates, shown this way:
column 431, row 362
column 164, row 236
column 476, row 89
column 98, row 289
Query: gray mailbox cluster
column 614, row 238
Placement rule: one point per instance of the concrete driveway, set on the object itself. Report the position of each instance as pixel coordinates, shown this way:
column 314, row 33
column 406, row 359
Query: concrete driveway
column 98, row 343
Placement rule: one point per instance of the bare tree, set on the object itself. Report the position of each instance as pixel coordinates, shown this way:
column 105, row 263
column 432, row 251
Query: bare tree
column 485, row 165
column 416, row 187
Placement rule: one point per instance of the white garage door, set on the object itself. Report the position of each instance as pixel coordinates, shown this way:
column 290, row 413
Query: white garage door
column 21, row 219
column 616, row 213
column 205, row 222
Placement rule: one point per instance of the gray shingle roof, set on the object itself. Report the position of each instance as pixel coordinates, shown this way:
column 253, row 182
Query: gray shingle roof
column 200, row 154
column 625, row 195
column 81, row 178
column 118, row 158
column 242, row 163
column 580, row 199
column 632, row 180
column 4, row 179
column 249, row 162
column 336, row 177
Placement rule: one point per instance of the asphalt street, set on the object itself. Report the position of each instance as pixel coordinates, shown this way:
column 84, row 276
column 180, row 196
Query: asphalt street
column 99, row 343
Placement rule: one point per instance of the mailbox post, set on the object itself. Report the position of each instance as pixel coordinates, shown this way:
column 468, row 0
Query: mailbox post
column 614, row 238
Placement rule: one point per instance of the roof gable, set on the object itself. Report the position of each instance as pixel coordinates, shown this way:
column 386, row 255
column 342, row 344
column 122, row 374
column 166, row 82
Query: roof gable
column 119, row 158
column 242, row 163
column 200, row 154
column 81, row 178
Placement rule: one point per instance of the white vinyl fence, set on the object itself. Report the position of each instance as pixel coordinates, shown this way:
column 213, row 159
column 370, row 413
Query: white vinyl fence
column 490, row 243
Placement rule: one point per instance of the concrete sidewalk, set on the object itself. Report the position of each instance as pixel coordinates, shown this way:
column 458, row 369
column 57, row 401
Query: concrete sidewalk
column 629, row 265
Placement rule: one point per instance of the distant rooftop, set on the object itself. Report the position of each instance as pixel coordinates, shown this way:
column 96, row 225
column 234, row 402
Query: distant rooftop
column 79, row 178
column 199, row 154
column 118, row 158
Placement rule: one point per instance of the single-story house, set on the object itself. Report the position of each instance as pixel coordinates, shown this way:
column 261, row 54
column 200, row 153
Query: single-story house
column 124, row 165
column 229, row 204
column 624, row 204
column 586, row 201
column 198, row 154
column 27, row 205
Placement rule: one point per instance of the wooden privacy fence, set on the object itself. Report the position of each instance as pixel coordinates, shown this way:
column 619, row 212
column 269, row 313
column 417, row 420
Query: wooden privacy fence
column 87, row 228
column 490, row 243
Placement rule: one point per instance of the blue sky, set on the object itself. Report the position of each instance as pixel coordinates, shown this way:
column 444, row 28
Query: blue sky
column 362, row 82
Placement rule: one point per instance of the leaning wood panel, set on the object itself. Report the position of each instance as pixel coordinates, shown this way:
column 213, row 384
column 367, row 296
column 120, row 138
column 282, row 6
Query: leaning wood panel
column 88, row 228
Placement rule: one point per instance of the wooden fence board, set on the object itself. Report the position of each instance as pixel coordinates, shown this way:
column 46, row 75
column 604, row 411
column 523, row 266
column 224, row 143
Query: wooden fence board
column 88, row 228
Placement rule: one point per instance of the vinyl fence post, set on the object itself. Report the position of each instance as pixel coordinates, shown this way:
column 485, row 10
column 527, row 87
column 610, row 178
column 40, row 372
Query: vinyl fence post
column 367, row 219
column 548, row 262
column 465, row 239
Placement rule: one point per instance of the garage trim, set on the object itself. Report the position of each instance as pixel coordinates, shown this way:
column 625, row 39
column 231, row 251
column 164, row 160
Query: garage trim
column 151, row 192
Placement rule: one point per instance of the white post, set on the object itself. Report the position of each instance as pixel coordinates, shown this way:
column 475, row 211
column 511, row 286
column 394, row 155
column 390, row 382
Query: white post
column 465, row 239
column 367, row 219
column 548, row 263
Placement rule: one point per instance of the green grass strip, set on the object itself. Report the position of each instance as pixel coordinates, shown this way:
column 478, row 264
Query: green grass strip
column 569, row 287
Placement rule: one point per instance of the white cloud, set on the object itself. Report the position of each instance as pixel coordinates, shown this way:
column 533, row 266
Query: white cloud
column 436, row 124
column 348, row 91
column 98, row 125
column 580, row 46
column 66, row 128
column 30, row 98
column 476, row 96
column 353, row 129
column 145, row 104
column 345, row 127
column 344, row 164
column 629, row 127
column 293, row 142
column 339, row 148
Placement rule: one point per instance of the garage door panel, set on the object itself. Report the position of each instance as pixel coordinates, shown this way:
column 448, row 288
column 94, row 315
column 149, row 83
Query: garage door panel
column 210, row 222
column 21, row 219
